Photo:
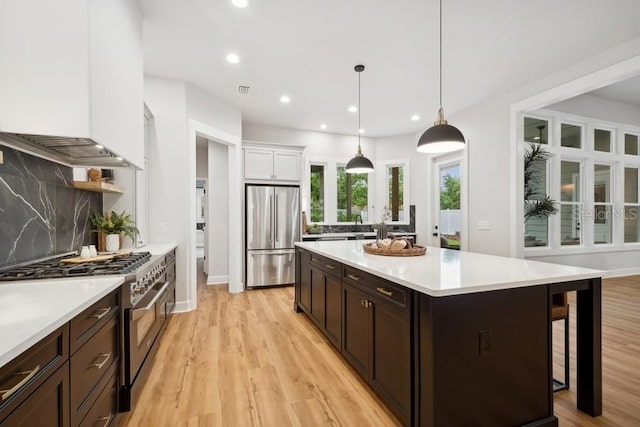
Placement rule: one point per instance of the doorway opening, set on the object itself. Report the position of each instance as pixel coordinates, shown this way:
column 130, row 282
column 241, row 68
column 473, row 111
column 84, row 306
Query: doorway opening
column 449, row 219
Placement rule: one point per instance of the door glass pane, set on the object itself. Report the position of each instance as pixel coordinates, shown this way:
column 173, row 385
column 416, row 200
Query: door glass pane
column 450, row 206
column 536, row 230
column 317, row 193
column 631, row 185
column 602, row 184
column 631, row 224
column 569, row 181
column 570, row 215
column 395, row 181
column 570, row 136
column 631, row 144
column 535, row 130
column 602, row 140
column 602, row 224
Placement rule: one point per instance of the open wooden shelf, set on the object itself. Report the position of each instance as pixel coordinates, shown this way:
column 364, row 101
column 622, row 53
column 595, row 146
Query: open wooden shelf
column 97, row 186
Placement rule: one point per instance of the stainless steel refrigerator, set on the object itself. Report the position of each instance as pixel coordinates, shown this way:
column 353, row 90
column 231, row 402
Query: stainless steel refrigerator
column 272, row 228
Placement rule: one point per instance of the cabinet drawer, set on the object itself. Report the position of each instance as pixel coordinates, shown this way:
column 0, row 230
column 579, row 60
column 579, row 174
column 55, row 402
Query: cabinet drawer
column 20, row 377
column 379, row 288
column 103, row 412
column 327, row 265
column 84, row 325
column 91, row 363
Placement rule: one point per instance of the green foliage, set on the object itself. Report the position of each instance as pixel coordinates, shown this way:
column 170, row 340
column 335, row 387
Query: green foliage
column 317, row 193
column 359, row 197
column 537, row 204
column 114, row 223
column 450, row 194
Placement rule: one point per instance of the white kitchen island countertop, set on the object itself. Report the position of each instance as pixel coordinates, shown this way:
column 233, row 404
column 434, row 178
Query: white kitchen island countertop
column 31, row 310
column 443, row 272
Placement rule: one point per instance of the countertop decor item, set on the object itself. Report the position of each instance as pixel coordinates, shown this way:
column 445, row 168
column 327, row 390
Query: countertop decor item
column 394, row 247
column 441, row 137
column 94, row 174
column 114, row 224
column 359, row 163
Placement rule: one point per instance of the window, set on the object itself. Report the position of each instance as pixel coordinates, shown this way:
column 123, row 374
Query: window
column 570, row 136
column 395, row 190
column 352, row 195
column 631, row 205
column 631, row 144
column 536, row 130
column 570, row 203
column 602, row 206
column 316, row 193
column 602, row 140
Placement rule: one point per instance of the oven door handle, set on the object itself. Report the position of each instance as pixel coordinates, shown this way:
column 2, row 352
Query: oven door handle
column 137, row 313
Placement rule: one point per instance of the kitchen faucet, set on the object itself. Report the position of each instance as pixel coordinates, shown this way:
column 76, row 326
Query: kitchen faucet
column 355, row 221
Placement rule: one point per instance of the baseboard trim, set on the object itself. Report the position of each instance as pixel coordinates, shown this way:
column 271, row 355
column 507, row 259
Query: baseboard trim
column 217, row 280
column 182, row 307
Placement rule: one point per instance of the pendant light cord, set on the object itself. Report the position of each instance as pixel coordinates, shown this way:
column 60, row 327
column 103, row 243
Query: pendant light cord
column 359, row 110
column 440, row 54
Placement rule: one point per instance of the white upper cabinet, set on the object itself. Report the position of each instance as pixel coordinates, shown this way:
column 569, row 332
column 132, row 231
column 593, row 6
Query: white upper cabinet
column 271, row 165
column 74, row 68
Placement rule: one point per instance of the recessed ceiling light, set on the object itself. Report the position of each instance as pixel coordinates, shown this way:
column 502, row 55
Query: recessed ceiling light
column 285, row 99
column 232, row 58
column 99, row 147
column 360, row 130
column 323, row 126
column 119, row 158
column 353, row 109
column 240, row 3
column 536, row 138
column 415, row 117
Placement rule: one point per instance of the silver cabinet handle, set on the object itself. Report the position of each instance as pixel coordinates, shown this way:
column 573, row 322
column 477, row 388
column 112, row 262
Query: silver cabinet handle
column 103, row 312
column 29, row 374
column 384, row 291
column 139, row 312
column 353, row 277
column 330, row 266
column 106, row 356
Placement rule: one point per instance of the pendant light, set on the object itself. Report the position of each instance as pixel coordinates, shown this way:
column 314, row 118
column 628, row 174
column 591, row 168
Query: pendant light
column 441, row 137
column 359, row 164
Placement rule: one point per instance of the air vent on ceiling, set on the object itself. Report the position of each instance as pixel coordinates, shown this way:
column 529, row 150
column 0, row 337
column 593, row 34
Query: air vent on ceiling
column 243, row 90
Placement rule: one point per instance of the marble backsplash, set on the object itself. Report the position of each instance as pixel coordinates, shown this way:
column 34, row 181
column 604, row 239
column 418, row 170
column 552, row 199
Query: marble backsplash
column 350, row 227
column 41, row 213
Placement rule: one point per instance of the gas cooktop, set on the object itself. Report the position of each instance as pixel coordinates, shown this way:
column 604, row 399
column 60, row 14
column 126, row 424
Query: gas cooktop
column 54, row 267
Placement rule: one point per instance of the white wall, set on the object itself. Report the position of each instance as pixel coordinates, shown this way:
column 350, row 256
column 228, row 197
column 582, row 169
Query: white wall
column 218, row 221
column 599, row 108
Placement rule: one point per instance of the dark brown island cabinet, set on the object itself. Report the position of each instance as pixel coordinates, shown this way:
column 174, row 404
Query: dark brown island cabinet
column 475, row 359
column 69, row 378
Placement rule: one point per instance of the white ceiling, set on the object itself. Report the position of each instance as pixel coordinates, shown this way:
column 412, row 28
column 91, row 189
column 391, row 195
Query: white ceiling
column 307, row 49
column 627, row 91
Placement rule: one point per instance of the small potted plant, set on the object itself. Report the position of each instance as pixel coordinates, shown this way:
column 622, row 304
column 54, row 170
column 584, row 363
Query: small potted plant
column 110, row 227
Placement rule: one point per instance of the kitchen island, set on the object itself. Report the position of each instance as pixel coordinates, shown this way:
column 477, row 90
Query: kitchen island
column 451, row 338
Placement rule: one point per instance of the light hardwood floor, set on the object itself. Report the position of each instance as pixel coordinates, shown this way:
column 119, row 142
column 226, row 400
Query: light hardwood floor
column 249, row 360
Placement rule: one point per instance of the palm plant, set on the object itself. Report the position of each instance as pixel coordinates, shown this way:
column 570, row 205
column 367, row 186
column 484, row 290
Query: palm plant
column 536, row 203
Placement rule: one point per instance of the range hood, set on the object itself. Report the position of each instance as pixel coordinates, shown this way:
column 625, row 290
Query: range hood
column 70, row 151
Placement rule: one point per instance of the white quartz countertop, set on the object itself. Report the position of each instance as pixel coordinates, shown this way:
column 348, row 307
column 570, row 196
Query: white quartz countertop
column 31, row 310
column 352, row 234
column 157, row 248
column 443, row 272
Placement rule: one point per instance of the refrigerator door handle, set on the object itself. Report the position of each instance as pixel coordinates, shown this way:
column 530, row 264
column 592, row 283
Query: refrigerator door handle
column 276, row 253
column 275, row 219
column 271, row 219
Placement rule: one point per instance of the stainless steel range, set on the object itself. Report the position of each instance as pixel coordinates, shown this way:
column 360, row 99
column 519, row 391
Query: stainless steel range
column 147, row 299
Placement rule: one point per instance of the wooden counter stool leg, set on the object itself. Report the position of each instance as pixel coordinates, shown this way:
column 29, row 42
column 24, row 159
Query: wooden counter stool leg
column 560, row 311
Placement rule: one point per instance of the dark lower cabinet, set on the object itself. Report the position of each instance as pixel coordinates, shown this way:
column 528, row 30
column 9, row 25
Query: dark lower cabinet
column 48, row 406
column 355, row 330
column 317, row 297
column 303, row 284
column 377, row 343
column 333, row 309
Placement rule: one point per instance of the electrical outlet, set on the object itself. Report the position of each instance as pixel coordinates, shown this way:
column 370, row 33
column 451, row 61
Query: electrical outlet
column 485, row 342
column 1, row 158
column 162, row 227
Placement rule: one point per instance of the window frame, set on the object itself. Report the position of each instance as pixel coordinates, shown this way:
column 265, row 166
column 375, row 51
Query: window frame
column 383, row 189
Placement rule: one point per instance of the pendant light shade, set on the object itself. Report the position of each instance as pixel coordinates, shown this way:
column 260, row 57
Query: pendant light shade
column 441, row 137
column 359, row 163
